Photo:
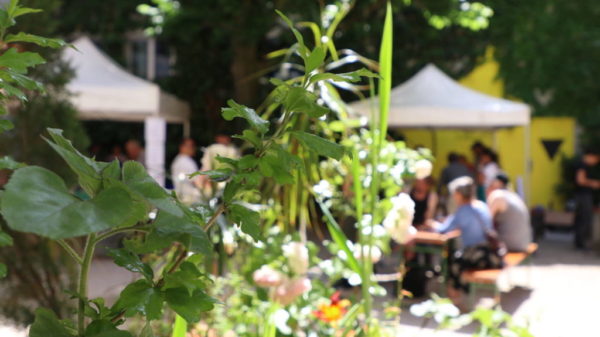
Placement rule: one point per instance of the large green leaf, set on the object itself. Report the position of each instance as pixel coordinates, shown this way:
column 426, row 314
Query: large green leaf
column 46, row 324
column 190, row 307
column 39, row 40
column 131, row 262
column 20, row 61
column 140, row 297
column 238, row 110
column 37, row 201
column 320, row 145
column 140, row 182
column 187, row 276
column 247, row 219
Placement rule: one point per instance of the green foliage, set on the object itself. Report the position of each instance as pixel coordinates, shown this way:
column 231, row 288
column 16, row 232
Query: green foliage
column 519, row 30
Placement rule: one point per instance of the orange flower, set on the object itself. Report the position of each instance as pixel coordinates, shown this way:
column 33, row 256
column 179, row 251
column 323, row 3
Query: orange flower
column 333, row 311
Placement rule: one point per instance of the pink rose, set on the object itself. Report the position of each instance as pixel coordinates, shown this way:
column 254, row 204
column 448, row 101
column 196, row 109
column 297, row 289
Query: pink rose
column 267, row 277
column 289, row 290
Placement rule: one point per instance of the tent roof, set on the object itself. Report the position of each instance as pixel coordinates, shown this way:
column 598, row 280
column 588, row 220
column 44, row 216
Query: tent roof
column 104, row 90
column 433, row 99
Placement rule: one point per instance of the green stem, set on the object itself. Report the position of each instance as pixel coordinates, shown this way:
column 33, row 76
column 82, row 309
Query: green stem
column 213, row 220
column 119, row 230
column 70, row 250
column 88, row 254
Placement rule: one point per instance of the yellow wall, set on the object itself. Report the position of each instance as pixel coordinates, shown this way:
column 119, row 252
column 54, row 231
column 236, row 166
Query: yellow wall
column 510, row 143
column 546, row 172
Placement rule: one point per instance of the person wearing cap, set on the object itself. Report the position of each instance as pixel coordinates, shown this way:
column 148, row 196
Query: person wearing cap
column 510, row 214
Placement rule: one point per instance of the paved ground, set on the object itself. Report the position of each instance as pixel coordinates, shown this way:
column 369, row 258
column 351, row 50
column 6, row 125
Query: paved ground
column 559, row 299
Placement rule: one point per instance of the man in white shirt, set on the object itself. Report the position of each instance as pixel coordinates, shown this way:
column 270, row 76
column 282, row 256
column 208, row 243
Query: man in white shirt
column 183, row 165
column 223, row 147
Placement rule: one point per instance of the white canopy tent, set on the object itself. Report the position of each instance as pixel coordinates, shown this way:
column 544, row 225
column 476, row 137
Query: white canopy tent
column 105, row 91
column 433, row 100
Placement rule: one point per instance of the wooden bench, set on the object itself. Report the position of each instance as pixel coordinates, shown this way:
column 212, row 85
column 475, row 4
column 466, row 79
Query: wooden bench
column 488, row 278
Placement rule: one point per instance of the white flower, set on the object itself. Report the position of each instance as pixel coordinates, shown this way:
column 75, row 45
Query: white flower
column 323, row 189
column 297, row 256
column 423, row 169
column 229, row 244
column 399, row 219
column 266, row 277
column 359, row 251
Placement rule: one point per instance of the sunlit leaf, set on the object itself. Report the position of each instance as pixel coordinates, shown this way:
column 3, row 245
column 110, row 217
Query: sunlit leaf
column 320, row 145
column 238, row 110
column 38, row 40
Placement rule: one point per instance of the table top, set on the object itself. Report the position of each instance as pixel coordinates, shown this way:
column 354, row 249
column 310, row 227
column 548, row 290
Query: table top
column 433, row 238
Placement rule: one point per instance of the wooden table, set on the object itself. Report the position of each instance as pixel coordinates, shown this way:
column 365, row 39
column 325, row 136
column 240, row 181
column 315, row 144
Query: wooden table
column 435, row 244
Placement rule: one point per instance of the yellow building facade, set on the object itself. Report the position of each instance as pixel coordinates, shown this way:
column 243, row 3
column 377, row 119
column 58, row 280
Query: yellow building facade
column 531, row 154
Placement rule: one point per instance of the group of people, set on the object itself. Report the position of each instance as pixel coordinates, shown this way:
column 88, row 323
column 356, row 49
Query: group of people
column 477, row 200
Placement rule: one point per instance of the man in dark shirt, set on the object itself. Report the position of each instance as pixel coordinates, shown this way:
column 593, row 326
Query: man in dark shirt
column 584, row 197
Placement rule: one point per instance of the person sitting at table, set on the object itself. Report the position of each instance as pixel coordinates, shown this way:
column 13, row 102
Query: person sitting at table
column 426, row 201
column 510, row 214
column 474, row 220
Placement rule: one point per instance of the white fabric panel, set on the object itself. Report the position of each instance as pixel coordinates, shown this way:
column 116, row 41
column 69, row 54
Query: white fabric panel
column 103, row 90
column 155, row 134
column 432, row 99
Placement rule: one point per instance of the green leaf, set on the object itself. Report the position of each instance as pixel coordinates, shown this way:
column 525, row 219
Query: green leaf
column 301, row 100
column 46, row 324
column 320, row 145
column 7, row 163
column 247, row 219
column 302, row 49
column 189, row 307
column 385, row 71
column 37, row 201
column 141, row 183
column 3, row 270
column 315, row 59
column 251, row 137
column 217, row 175
column 5, row 239
column 238, row 110
column 105, row 328
column 23, row 10
column 6, row 125
column 248, row 162
column 353, row 76
column 131, row 262
column 13, row 91
column 187, row 276
column 20, row 61
column 87, row 169
column 340, row 239
column 231, row 190
column 140, row 297
column 185, row 230
column 180, row 327
column 22, row 80
column 38, row 40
